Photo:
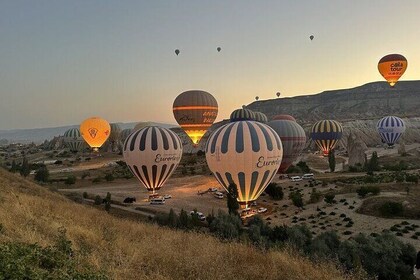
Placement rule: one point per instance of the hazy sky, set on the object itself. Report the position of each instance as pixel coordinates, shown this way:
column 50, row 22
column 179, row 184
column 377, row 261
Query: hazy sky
column 63, row 61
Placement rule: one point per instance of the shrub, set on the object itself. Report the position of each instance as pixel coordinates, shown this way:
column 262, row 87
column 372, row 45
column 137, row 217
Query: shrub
column 109, row 177
column 70, row 180
column 364, row 191
column 85, row 174
column 98, row 200
column 275, row 191
column 85, row 195
column 297, row 198
column 329, row 198
column 42, row 175
column 97, row 179
column 316, row 196
column 226, row 226
column 391, row 209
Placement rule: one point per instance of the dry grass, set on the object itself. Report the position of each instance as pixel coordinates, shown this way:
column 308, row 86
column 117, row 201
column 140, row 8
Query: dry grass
column 131, row 250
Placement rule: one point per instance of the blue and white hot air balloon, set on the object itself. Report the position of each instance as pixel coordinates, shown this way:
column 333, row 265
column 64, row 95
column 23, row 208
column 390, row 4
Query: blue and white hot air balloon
column 152, row 154
column 74, row 140
column 390, row 129
column 242, row 115
column 246, row 153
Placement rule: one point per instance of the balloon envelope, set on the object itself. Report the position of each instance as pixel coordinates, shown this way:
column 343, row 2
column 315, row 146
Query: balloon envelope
column 176, row 51
column 219, row 49
column 242, row 115
column 74, row 140
column 311, row 37
column 292, row 137
column 246, row 153
column 95, row 131
column 326, row 134
column 260, row 117
column 152, row 154
column 392, row 67
column 390, row 129
column 195, row 111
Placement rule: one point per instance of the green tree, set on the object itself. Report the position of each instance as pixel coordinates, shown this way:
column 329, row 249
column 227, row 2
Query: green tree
column 329, row 198
column 70, row 180
column 331, row 160
column 232, row 199
column 25, row 169
column 297, row 198
column 275, row 191
column 303, row 167
column 14, row 167
column 108, row 202
column 42, row 175
column 183, row 219
column 172, row 219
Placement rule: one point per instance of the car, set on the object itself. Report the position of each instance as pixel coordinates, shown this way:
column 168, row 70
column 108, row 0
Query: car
column 218, row 195
column 157, row 200
column 308, row 176
column 254, row 203
column 200, row 215
column 262, row 210
column 213, row 189
column 295, row 178
column 167, row 196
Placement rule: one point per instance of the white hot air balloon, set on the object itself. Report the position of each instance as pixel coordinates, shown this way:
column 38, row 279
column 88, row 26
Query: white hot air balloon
column 152, row 154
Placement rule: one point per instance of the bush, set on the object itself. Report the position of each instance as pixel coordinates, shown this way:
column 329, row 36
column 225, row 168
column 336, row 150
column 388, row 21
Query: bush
column 109, row 177
column 42, row 175
column 275, row 191
column 70, row 180
column 391, row 209
column 297, row 198
column 85, row 174
column 329, row 198
column 98, row 200
column 364, row 191
column 316, row 196
column 97, row 179
column 85, row 195
column 226, row 226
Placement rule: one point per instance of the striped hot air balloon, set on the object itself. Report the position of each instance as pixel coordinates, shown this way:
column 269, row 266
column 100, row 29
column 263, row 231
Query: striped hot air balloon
column 292, row 137
column 74, row 140
column 152, row 154
column 125, row 133
column 326, row 134
column 242, row 115
column 390, row 129
column 95, row 131
column 195, row 111
column 246, row 153
column 260, row 117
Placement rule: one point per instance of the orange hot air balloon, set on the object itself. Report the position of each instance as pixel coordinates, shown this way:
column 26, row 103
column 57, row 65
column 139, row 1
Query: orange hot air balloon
column 195, row 111
column 95, row 131
column 392, row 67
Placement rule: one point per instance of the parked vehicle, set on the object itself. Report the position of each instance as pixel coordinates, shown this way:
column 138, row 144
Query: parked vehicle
column 157, row 200
column 213, row 189
column 262, row 210
column 254, row 203
column 218, row 195
column 308, row 176
column 200, row 215
column 295, row 178
column 167, row 196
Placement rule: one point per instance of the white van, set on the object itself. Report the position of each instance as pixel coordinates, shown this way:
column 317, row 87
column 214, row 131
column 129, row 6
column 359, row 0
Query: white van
column 218, row 195
column 157, row 200
column 295, row 178
column 308, row 176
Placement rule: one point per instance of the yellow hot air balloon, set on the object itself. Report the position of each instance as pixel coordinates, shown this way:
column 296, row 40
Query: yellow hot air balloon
column 95, row 131
column 392, row 67
column 195, row 111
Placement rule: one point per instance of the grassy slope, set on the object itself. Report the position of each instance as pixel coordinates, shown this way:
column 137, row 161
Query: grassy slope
column 130, row 250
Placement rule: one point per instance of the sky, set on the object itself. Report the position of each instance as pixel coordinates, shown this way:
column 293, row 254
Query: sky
column 64, row 61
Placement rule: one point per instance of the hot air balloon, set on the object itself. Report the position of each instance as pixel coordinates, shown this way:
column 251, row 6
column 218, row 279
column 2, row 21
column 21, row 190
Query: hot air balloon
column 246, row 153
column 152, row 154
column 278, row 94
column 326, row 134
column 74, row 140
column 390, row 129
column 392, row 67
column 195, row 111
column 242, row 115
column 311, row 37
column 177, row 52
column 140, row 125
column 95, row 131
column 292, row 137
column 256, row 98
column 125, row 133
column 219, row 49
column 260, row 117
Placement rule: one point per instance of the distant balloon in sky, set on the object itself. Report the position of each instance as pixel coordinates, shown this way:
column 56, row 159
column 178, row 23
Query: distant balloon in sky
column 219, row 49
column 95, row 131
column 392, row 67
column 292, row 137
column 311, row 37
column 242, row 115
column 73, row 140
column 256, row 98
column 176, row 51
column 246, row 153
column 260, row 117
column 278, row 94
column 195, row 111
column 326, row 134
column 390, row 129
column 152, row 154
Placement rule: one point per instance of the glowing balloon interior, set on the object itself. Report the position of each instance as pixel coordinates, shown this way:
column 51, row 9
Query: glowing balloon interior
column 246, row 153
column 392, row 67
column 326, row 134
column 95, row 131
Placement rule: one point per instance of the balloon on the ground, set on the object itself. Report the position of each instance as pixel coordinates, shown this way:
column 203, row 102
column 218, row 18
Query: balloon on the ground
column 246, row 153
column 390, row 129
column 195, row 111
column 392, row 67
column 292, row 137
column 152, row 154
column 95, row 131
column 242, row 115
column 260, row 117
column 326, row 134
column 74, row 140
